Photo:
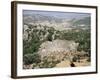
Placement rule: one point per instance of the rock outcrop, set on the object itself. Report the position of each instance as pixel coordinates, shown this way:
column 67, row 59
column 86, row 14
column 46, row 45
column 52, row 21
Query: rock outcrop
column 57, row 48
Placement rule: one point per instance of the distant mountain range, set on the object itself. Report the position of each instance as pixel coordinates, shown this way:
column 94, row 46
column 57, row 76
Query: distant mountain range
column 85, row 21
column 57, row 23
column 33, row 18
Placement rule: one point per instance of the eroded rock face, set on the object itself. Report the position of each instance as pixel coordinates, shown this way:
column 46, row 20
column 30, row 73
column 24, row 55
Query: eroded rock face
column 57, row 48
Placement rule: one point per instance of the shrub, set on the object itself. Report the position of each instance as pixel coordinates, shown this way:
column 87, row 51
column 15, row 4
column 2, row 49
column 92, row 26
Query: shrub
column 89, row 59
column 47, row 62
column 31, row 58
column 74, row 59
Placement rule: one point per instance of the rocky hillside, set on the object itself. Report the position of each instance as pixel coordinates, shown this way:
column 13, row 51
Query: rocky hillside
column 35, row 35
column 47, row 40
column 57, row 48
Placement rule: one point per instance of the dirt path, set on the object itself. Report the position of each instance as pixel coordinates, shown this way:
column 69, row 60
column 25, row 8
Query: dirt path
column 65, row 63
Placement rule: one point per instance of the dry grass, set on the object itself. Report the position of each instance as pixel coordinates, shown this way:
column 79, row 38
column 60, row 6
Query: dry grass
column 82, row 62
column 66, row 63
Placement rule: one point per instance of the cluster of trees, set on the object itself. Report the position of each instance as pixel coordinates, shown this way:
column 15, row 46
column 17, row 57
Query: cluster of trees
column 31, row 58
column 81, row 36
column 46, row 62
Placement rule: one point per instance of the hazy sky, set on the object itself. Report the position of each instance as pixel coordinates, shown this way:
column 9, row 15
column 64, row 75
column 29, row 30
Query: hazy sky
column 67, row 15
